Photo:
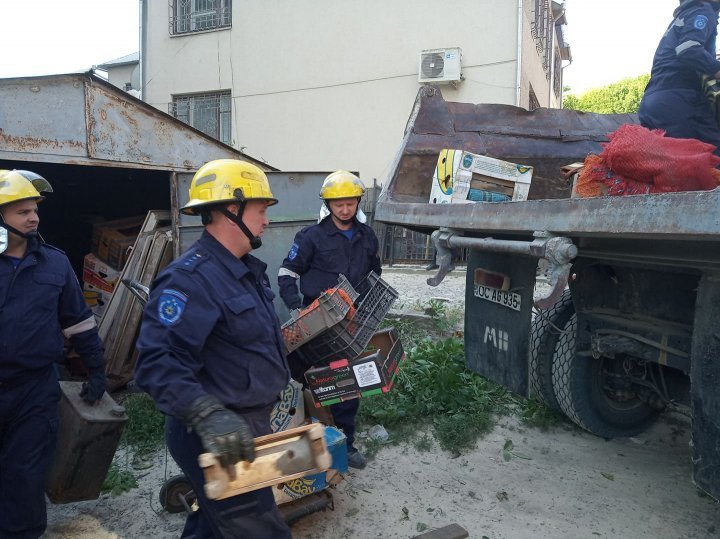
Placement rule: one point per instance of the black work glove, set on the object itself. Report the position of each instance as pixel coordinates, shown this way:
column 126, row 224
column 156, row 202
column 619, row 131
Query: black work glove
column 222, row 432
column 93, row 390
column 293, row 303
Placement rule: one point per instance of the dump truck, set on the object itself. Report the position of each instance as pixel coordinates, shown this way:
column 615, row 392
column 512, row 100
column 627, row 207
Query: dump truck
column 626, row 323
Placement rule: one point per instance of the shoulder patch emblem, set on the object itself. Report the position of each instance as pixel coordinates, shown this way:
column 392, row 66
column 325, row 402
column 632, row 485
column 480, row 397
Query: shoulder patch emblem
column 171, row 306
column 293, row 251
column 701, row 21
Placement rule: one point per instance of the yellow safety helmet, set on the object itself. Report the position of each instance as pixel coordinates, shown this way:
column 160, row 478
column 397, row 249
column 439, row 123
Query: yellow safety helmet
column 16, row 185
column 227, row 181
column 341, row 184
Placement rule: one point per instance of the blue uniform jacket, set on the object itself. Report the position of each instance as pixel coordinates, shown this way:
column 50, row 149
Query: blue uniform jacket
column 687, row 50
column 41, row 303
column 319, row 254
column 209, row 327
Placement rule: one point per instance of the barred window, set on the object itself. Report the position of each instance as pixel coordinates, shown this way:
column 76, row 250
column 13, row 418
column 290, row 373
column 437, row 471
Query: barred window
column 542, row 28
column 210, row 113
column 187, row 16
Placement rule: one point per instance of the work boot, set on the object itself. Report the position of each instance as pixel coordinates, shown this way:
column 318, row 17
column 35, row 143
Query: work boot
column 355, row 459
column 431, row 266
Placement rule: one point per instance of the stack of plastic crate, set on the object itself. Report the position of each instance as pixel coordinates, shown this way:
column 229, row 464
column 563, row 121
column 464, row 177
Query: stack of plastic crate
column 348, row 338
column 331, row 307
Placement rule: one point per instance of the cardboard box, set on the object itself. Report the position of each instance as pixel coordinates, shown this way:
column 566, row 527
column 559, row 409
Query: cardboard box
column 289, row 411
column 99, row 274
column 297, row 488
column 464, row 177
column 444, row 177
column 371, row 373
column 112, row 239
column 97, row 299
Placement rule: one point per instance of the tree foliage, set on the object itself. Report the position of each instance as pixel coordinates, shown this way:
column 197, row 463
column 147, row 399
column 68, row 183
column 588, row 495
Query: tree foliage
column 621, row 96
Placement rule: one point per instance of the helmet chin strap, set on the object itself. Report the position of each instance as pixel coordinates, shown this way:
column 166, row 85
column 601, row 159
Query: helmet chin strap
column 255, row 241
column 26, row 236
column 343, row 221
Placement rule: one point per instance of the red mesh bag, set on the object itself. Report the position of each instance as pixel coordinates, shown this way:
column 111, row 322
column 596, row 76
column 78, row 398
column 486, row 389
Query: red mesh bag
column 636, row 153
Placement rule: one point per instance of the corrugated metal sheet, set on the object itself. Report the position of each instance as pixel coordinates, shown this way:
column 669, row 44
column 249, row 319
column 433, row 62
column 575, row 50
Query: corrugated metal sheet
column 82, row 119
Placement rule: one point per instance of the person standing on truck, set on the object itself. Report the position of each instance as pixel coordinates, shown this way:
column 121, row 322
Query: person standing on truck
column 674, row 99
column 41, row 304
column 340, row 243
column 211, row 353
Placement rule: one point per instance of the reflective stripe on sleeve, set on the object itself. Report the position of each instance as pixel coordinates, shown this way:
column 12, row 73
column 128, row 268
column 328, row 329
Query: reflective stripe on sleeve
column 685, row 46
column 85, row 325
column 286, row 272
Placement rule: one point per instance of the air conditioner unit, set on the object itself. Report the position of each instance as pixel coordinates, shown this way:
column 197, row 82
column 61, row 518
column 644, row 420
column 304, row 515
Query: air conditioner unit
column 440, row 65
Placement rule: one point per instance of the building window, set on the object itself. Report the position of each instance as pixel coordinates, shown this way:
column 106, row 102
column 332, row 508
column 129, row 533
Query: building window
column 541, row 29
column 187, row 16
column 210, row 113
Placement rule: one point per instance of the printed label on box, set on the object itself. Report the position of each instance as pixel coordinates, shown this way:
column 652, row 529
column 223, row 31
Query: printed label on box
column 367, row 374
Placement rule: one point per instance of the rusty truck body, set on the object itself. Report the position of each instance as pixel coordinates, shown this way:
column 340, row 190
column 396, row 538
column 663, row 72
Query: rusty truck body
column 629, row 321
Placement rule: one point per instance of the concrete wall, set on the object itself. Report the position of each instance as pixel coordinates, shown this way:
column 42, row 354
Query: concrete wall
column 328, row 84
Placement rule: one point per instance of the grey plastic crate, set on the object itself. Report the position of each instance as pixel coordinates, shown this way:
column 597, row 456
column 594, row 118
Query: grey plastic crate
column 330, row 309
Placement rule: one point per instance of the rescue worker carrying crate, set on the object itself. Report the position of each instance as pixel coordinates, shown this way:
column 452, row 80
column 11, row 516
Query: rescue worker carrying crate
column 340, row 243
column 210, row 350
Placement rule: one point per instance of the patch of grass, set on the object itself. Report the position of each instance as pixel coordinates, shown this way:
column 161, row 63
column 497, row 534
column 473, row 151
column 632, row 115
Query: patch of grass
column 434, row 386
column 118, row 480
column 534, row 413
column 145, row 429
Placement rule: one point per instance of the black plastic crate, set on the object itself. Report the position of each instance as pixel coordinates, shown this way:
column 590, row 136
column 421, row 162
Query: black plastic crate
column 348, row 338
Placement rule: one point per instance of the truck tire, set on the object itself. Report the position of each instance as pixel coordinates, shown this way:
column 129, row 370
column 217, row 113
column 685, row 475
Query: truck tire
column 544, row 332
column 579, row 386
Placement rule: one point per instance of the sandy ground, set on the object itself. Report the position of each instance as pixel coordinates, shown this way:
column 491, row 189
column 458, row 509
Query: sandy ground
column 564, row 483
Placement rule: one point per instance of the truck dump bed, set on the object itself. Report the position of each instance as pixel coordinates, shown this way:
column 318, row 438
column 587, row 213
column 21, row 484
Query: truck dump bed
column 546, row 139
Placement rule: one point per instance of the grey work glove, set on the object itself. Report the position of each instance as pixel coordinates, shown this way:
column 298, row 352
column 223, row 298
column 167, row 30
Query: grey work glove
column 222, row 432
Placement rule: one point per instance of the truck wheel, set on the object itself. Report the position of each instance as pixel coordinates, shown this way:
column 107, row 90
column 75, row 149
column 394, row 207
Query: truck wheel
column 174, row 488
column 544, row 333
column 581, row 387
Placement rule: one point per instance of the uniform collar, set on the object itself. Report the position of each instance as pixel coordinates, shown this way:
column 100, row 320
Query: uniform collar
column 330, row 228
column 237, row 266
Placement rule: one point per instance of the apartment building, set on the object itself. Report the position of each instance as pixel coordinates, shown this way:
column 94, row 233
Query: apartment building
column 327, row 84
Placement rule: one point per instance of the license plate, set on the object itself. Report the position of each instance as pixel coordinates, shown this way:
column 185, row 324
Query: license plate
column 511, row 300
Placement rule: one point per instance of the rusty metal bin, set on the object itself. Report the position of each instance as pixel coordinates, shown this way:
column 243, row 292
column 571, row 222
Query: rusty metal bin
column 88, row 437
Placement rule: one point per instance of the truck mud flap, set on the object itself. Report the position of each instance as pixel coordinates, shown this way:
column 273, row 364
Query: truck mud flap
column 704, row 379
column 498, row 310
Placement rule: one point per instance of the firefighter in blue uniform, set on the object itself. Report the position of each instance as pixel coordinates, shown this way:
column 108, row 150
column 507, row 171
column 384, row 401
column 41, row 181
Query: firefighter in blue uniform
column 41, row 304
column 338, row 244
column 211, row 353
column 674, row 99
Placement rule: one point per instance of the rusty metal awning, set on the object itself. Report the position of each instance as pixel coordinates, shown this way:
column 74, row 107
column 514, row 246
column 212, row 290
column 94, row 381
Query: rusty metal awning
column 82, row 119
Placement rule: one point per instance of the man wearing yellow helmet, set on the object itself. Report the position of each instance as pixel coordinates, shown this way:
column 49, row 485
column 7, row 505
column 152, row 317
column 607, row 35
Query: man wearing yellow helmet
column 338, row 244
column 210, row 350
column 41, row 304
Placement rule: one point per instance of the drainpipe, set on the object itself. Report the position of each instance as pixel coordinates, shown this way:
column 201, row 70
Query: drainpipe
column 519, row 50
column 143, row 42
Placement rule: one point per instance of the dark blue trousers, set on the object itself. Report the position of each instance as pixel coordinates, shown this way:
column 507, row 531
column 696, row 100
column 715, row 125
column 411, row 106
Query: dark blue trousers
column 344, row 416
column 253, row 515
column 681, row 114
column 28, row 435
